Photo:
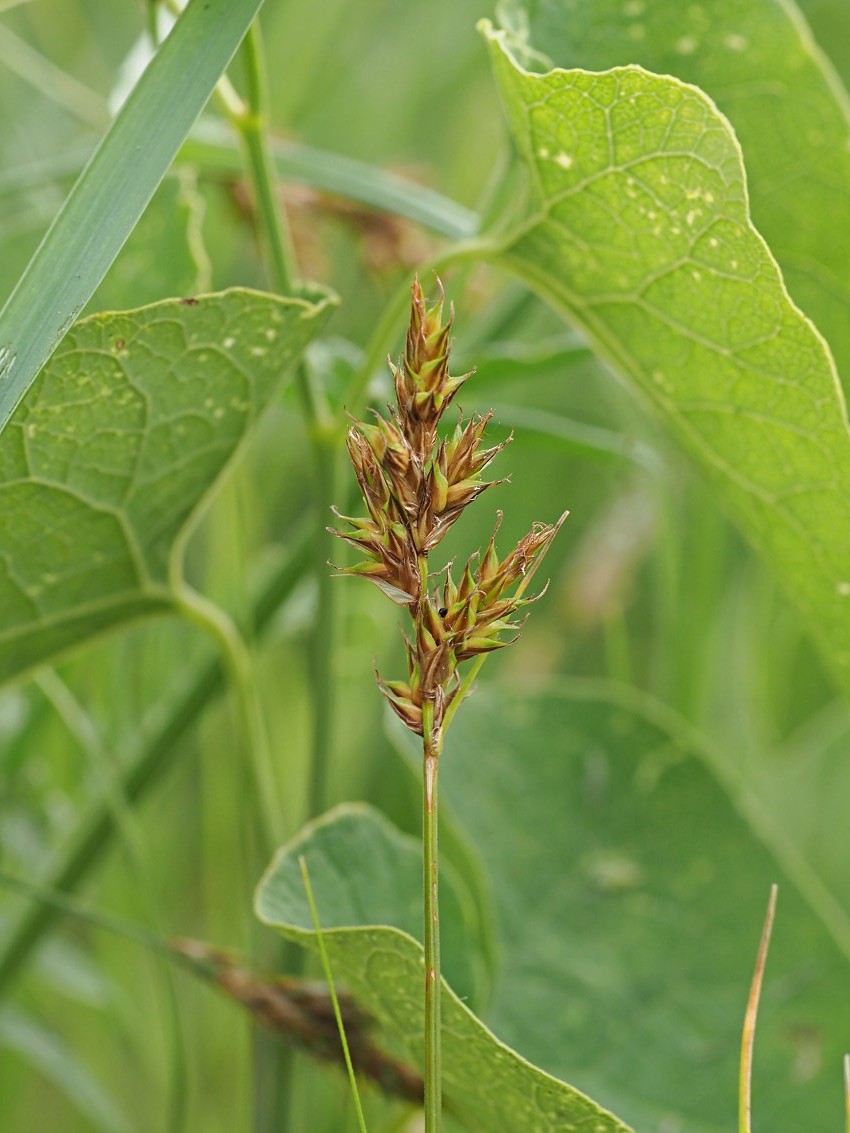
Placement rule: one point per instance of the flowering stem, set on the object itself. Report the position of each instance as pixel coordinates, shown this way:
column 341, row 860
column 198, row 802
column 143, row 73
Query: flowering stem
column 431, row 744
column 415, row 485
column 375, row 351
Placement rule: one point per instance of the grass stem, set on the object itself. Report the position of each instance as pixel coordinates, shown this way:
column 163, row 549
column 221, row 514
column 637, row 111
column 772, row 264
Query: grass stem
column 322, row 432
column 238, row 663
column 251, row 124
column 431, row 908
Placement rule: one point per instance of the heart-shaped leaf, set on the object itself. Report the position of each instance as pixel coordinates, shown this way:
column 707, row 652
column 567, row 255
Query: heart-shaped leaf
column 367, row 879
column 637, row 229
column 118, row 444
column 757, row 61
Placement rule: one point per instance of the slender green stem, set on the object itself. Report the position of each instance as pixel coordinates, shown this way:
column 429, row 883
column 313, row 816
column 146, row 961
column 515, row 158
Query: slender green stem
column 322, row 427
column 64, row 905
column 237, row 661
column 250, row 118
column 431, row 908
column 251, row 124
column 153, row 30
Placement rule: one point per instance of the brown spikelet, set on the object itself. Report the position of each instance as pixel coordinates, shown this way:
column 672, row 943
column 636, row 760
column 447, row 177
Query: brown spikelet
column 415, row 486
column 300, row 1012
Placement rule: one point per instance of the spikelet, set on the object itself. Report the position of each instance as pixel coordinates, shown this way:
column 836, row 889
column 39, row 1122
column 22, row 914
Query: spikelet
column 415, row 486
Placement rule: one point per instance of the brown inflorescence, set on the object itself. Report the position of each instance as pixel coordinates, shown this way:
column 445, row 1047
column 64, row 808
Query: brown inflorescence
column 415, row 486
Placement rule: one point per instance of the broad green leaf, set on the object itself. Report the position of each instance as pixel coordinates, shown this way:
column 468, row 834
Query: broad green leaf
column 637, row 230
column 118, row 444
column 630, row 894
column 114, row 188
column 367, row 879
column 757, row 61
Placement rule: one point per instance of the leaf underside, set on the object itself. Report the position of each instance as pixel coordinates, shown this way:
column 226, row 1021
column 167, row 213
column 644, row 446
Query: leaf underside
column 637, row 229
column 119, row 442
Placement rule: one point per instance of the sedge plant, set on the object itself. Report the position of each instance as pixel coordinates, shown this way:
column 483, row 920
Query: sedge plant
column 416, row 483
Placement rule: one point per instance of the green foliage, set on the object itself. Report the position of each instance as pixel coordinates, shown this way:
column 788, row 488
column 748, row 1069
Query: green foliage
column 622, row 968
column 370, row 925
column 758, row 62
column 120, row 442
column 637, row 229
column 22, row 1036
column 669, row 736
column 111, row 194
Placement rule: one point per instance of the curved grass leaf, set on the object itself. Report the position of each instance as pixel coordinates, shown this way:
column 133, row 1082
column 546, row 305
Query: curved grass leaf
column 118, row 444
column 757, row 61
column 637, row 229
column 56, row 1062
column 367, row 881
column 630, row 894
column 213, row 148
column 114, row 188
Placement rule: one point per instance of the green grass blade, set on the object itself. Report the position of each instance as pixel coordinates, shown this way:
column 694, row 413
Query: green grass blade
column 326, row 967
column 51, row 81
column 114, row 188
column 156, row 751
column 212, row 145
column 63, row 1068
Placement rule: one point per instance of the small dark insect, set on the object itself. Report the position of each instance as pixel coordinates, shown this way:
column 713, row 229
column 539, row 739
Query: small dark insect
column 189, row 302
column 442, row 611
column 120, row 343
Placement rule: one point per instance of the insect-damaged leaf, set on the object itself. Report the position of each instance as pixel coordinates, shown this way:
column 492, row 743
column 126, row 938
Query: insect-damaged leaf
column 637, row 229
column 115, row 448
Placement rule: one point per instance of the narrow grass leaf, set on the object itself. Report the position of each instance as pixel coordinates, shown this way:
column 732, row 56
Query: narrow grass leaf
column 114, row 189
column 58, row 1064
column 326, row 968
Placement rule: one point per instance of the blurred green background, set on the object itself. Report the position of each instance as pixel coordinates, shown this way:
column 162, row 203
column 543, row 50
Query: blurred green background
column 655, row 602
